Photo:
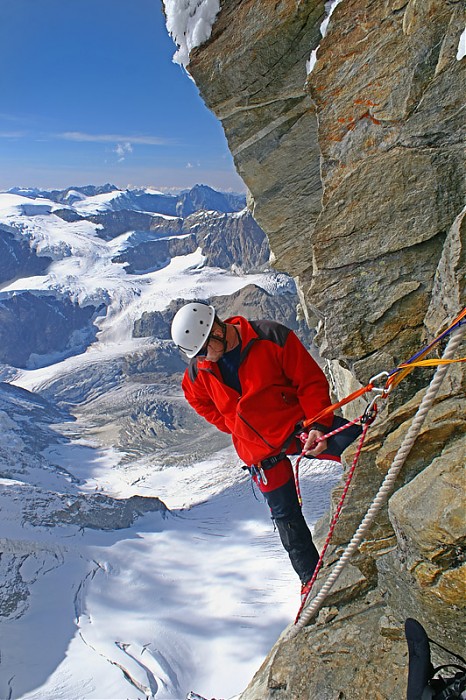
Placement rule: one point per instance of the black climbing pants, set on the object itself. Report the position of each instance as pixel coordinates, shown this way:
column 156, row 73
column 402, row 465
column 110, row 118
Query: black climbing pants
column 293, row 530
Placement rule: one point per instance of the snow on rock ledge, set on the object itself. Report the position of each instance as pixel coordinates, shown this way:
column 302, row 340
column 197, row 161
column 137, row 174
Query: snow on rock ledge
column 189, row 23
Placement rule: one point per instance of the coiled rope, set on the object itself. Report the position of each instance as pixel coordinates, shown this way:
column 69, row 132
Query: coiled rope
column 387, row 484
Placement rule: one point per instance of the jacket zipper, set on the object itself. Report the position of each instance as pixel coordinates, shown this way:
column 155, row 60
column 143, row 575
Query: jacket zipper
column 255, row 431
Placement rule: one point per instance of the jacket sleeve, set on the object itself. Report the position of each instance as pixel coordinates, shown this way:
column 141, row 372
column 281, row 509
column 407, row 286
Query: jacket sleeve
column 199, row 399
column 308, row 379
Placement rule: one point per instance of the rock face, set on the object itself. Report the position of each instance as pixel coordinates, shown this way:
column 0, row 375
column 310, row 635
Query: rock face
column 356, row 174
column 18, row 260
column 251, row 75
column 34, row 326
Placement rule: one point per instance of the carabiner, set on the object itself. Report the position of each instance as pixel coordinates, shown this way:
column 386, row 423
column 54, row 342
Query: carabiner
column 370, row 412
column 382, row 391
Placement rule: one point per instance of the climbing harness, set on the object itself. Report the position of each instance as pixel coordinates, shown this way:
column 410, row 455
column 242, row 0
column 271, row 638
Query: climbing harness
column 392, row 378
column 258, row 470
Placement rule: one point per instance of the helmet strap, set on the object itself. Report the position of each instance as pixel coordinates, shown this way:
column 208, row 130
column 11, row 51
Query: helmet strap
column 223, row 327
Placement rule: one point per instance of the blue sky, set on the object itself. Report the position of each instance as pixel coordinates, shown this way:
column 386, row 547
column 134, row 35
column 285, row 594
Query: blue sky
column 89, row 94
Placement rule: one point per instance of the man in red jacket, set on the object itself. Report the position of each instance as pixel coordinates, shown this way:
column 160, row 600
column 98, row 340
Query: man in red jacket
column 256, row 381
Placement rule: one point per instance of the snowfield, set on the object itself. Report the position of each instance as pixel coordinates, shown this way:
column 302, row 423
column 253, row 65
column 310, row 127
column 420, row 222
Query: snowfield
column 190, row 600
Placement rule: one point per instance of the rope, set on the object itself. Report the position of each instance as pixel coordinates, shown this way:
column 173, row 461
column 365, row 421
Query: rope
column 330, row 409
column 387, row 484
column 399, row 373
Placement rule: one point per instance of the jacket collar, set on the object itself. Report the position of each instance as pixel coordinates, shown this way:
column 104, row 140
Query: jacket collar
column 247, row 335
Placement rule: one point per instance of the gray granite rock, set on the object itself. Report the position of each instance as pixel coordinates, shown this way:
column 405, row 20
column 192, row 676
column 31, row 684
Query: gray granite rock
column 357, row 175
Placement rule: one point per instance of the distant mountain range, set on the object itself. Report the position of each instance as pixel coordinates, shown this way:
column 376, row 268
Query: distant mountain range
column 88, row 289
column 109, row 197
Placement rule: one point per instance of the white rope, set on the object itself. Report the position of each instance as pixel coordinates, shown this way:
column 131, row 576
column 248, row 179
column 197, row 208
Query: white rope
column 387, row 484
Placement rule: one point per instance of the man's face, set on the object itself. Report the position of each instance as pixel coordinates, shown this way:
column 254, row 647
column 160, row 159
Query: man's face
column 213, row 349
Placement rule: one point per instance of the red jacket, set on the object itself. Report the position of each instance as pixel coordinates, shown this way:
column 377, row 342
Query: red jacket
column 281, row 385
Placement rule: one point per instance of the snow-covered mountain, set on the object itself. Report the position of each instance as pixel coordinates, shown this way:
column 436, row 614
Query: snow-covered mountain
column 131, row 538
column 95, row 266
column 96, row 199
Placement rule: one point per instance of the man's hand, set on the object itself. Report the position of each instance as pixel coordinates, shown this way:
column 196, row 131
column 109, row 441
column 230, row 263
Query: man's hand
column 311, row 438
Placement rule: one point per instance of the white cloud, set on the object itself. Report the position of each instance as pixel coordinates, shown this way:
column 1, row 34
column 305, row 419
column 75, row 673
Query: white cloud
column 117, row 138
column 122, row 150
column 12, row 134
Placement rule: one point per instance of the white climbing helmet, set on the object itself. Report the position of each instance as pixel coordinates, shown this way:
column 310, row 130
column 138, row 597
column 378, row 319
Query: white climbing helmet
column 191, row 326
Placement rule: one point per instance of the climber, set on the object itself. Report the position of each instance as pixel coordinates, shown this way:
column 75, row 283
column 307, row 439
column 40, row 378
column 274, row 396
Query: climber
column 256, row 381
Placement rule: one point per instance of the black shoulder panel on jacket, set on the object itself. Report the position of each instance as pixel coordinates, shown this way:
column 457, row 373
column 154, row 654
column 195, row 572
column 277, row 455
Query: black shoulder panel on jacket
column 193, row 369
column 271, row 330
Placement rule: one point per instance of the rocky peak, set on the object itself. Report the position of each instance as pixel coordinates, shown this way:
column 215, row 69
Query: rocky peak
column 202, row 197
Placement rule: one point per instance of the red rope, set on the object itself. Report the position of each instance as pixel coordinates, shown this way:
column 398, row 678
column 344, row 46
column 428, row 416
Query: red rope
column 303, row 438
column 308, row 587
